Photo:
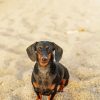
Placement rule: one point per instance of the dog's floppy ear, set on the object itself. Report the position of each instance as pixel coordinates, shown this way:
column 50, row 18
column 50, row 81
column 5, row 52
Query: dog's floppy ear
column 31, row 51
column 58, row 52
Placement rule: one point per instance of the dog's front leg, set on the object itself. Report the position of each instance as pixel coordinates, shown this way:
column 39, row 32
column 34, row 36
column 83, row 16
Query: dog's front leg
column 53, row 93
column 36, row 85
column 51, row 97
column 39, row 96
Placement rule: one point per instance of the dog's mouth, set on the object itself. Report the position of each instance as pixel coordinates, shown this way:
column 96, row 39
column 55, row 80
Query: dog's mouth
column 44, row 62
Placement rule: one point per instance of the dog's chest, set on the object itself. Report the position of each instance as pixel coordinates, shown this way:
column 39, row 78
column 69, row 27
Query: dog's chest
column 44, row 78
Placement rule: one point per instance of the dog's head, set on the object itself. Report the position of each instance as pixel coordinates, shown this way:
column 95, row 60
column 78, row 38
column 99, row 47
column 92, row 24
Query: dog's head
column 42, row 52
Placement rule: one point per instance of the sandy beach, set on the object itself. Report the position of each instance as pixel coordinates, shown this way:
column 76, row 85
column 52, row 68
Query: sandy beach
column 73, row 25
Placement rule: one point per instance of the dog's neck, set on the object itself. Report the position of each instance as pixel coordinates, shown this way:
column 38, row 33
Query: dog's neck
column 44, row 69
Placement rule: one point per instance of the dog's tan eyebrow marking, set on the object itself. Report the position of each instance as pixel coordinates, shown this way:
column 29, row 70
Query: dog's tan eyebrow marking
column 47, row 47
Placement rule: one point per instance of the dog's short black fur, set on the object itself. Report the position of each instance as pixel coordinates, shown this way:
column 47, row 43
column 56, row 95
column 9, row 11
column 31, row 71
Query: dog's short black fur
column 48, row 76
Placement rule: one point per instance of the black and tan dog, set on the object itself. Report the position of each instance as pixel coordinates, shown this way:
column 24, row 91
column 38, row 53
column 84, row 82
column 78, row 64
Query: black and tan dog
column 48, row 76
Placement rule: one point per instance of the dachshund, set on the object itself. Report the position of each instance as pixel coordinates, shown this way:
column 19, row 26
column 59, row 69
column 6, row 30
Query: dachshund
column 48, row 76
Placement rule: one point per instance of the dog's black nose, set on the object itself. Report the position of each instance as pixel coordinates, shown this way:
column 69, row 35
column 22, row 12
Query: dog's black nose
column 44, row 59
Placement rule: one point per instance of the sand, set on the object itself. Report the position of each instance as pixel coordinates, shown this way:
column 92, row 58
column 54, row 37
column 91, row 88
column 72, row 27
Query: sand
column 73, row 25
